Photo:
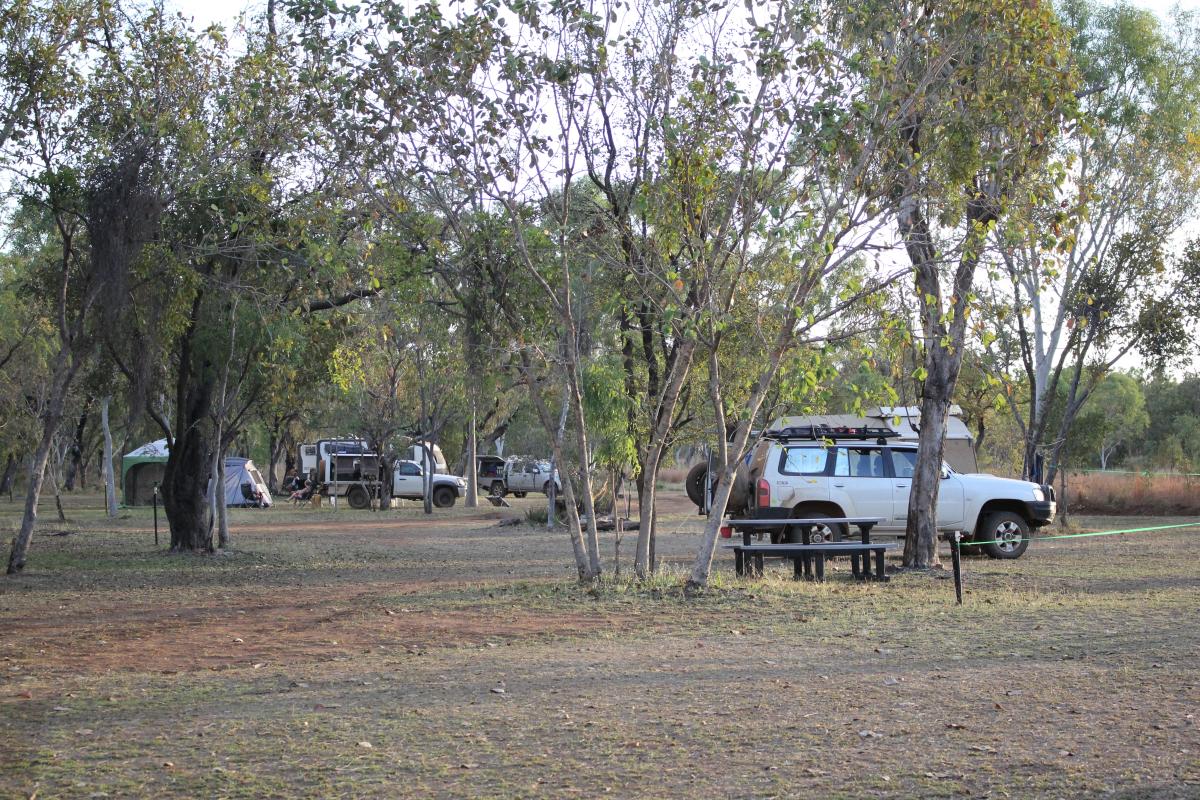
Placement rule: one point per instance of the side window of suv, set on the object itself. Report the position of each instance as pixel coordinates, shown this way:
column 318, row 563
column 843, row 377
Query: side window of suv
column 803, row 461
column 904, row 462
column 858, row 462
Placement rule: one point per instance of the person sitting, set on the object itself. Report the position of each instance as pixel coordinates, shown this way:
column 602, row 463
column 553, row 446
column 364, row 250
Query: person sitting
column 303, row 494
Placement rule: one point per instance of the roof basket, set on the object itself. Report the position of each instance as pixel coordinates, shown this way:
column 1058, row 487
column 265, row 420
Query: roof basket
column 813, row 432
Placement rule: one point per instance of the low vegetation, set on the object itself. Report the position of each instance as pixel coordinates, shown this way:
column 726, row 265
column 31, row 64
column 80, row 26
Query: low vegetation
column 1135, row 493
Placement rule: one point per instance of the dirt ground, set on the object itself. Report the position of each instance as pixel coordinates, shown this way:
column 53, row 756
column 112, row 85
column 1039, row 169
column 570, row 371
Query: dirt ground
column 355, row 654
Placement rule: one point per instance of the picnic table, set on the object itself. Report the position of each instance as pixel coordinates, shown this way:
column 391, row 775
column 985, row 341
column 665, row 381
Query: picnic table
column 808, row 558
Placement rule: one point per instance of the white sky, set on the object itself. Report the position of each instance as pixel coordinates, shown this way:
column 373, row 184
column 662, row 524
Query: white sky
column 206, row 12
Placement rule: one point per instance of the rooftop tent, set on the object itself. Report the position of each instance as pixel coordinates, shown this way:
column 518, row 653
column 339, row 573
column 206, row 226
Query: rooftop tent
column 244, row 485
column 141, row 470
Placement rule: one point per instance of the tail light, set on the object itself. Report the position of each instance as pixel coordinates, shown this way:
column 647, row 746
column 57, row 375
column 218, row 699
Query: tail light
column 764, row 493
column 726, row 532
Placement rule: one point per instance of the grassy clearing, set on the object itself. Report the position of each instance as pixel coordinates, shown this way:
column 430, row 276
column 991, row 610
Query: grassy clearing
column 385, row 655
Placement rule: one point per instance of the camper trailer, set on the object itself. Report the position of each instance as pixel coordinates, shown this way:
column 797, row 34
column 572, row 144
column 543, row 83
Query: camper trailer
column 312, row 454
column 346, row 468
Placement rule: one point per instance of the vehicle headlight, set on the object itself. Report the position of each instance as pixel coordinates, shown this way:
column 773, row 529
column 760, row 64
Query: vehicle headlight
column 1038, row 494
column 461, row 482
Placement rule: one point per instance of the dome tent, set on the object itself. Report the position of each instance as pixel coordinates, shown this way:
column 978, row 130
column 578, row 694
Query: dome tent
column 143, row 469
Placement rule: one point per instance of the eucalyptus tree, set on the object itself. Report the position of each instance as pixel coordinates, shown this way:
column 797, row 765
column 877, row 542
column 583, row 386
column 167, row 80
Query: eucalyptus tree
column 978, row 91
column 1084, row 273
column 261, row 236
column 89, row 174
column 450, row 102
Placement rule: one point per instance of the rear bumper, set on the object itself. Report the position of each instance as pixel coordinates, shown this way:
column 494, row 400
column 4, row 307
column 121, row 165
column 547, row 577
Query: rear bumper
column 1040, row 512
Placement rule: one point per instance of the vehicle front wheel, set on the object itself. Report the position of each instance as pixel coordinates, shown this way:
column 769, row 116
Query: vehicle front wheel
column 358, row 498
column 444, row 497
column 546, row 488
column 497, row 489
column 1004, row 534
column 518, row 494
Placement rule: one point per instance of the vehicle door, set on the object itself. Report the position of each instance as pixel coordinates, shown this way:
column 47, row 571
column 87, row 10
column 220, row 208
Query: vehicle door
column 531, row 478
column 800, row 475
column 950, row 507
column 407, row 480
column 859, row 483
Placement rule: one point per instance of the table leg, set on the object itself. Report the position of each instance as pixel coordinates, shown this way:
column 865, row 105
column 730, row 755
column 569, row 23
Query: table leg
column 797, row 569
column 820, row 567
column 880, row 574
column 854, row 570
column 758, row 565
column 739, row 562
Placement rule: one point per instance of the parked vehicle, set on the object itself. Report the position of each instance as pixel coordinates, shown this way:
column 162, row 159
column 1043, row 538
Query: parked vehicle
column 312, row 454
column 346, row 468
column 408, row 482
column 488, row 470
column 521, row 476
column 815, row 472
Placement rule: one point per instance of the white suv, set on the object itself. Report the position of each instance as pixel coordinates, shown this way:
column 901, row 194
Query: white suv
column 858, row 473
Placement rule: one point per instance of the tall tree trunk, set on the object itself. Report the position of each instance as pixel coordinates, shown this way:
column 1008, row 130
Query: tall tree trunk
column 472, row 467
column 944, row 346
column 592, row 537
column 64, row 370
column 920, row 543
column 664, row 415
column 583, row 564
column 219, row 496
column 10, row 474
column 471, row 347
column 272, row 445
column 37, row 474
column 189, row 467
column 62, row 515
column 76, row 459
column 106, row 466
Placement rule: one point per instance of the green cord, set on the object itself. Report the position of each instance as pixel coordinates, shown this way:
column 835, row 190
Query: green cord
column 1082, row 535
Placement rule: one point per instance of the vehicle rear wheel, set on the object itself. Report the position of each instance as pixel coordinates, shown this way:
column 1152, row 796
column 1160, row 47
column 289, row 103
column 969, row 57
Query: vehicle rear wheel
column 357, row 497
column 1005, row 535
column 497, row 489
column 444, row 497
column 694, row 483
column 546, row 488
column 834, row 532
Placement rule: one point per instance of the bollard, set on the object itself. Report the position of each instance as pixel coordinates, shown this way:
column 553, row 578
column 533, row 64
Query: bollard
column 956, row 557
column 156, row 515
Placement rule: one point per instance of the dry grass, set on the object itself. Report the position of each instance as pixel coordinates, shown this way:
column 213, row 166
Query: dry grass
column 1130, row 493
column 392, row 655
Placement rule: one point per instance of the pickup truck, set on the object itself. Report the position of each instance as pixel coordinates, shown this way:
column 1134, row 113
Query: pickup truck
column 408, row 482
column 519, row 477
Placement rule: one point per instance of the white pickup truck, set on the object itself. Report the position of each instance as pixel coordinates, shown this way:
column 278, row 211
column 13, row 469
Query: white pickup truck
column 851, row 474
column 519, row 477
column 408, row 482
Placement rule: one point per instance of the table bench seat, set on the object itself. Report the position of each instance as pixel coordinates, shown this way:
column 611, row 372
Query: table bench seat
column 809, row 559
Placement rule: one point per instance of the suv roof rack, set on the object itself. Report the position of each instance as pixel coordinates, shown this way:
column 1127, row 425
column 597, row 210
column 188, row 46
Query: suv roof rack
column 814, row 432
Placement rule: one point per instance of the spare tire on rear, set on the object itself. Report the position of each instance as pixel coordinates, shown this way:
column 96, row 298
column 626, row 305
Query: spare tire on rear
column 694, row 483
column 739, row 498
